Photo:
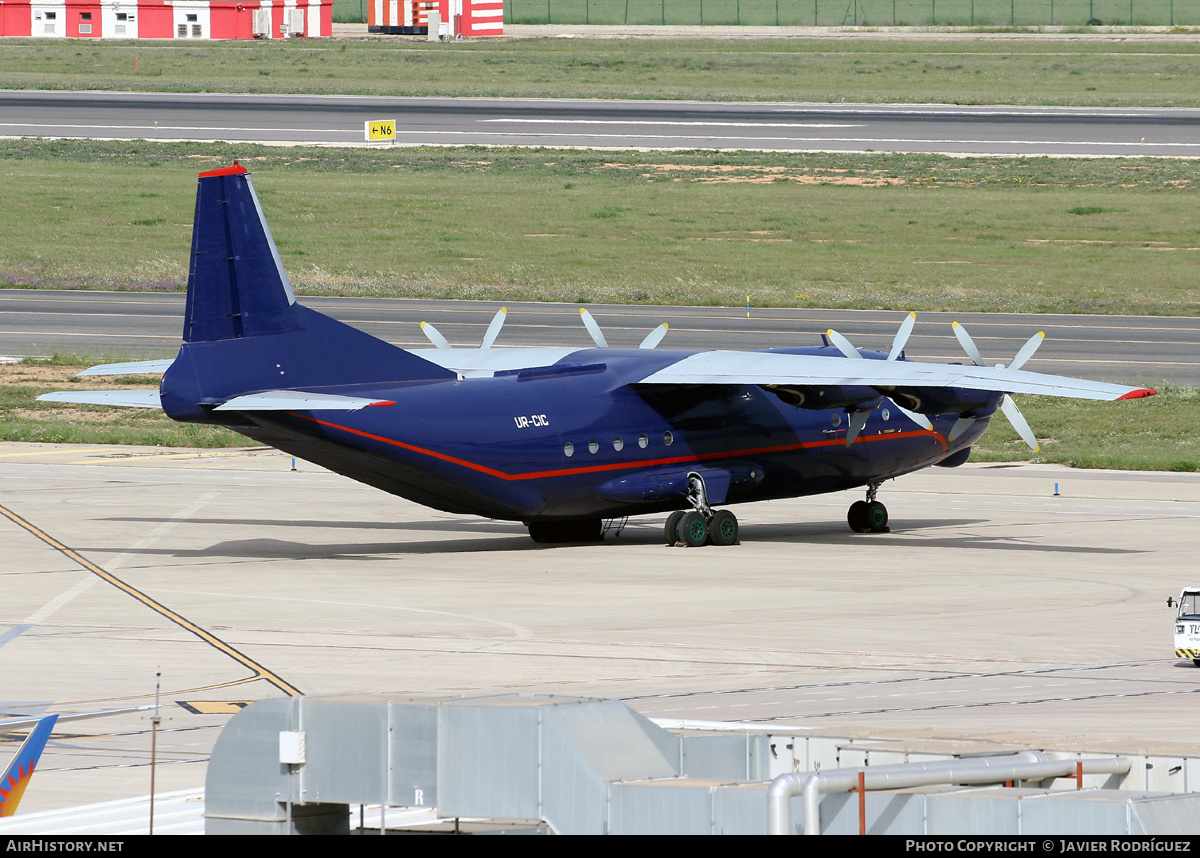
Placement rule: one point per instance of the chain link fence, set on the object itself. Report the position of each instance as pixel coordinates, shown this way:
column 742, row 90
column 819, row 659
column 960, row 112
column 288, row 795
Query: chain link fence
column 857, row 13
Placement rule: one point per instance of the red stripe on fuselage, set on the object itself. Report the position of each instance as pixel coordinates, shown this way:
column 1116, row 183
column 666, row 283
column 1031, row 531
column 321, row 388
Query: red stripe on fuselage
column 620, row 466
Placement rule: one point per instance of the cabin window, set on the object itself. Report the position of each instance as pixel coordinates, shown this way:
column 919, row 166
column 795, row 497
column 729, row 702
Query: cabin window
column 668, row 438
column 643, row 441
column 885, row 414
column 568, row 449
column 836, row 419
column 593, row 446
column 618, row 444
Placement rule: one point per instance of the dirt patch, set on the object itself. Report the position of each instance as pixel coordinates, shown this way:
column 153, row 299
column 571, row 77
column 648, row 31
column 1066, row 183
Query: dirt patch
column 760, row 174
column 52, row 375
column 757, row 240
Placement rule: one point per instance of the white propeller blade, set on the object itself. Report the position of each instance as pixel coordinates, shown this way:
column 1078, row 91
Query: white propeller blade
column 435, row 336
column 494, row 328
column 920, row 419
column 858, row 420
column 968, row 344
column 1017, row 419
column 1027, row 350
column 961, row 425
column 902, row 336
column 843, row 345
column 654, row 337
column 593, row 329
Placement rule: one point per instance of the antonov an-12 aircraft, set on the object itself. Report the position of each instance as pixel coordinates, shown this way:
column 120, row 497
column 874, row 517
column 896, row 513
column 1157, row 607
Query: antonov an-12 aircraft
column 561, row 439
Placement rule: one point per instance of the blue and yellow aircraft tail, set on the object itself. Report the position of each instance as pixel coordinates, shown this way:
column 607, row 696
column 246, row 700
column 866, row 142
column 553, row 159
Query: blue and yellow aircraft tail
column 20, row 770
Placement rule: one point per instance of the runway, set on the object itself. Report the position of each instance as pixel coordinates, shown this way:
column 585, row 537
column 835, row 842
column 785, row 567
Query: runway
column 793, row 127
column 1127, row 349
column 995, row 614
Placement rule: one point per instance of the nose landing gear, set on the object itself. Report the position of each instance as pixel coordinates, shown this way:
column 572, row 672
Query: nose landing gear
column 868, row 516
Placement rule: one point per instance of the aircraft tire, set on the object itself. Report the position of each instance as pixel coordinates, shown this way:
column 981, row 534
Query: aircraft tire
column 1196, row 661
column 671, row 530
column 857, row 517
column 693, row 529
column 877, row 517
column 723, row 528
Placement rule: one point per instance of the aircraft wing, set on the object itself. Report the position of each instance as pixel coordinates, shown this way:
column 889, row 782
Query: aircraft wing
column 725, row 367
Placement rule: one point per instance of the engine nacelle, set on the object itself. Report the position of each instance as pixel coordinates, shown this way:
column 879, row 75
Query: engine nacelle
column 818, row 397
column 955, row 459
column 945, row 400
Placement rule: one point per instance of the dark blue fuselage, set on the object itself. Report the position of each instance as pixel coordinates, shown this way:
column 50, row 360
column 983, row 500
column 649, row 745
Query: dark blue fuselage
column 583, row 439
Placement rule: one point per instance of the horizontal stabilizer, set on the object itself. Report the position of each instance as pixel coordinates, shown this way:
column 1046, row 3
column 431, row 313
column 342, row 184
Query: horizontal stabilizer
column 120, row 398
column 299, row 400
column 140, row 367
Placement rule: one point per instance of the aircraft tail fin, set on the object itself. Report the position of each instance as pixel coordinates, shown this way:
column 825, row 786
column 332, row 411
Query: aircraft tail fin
column 20, row 770
column 244, row 331
column 236, row 283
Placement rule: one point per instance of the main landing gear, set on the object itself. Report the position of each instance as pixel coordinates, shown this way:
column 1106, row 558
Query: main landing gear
column 701, row 524
column 868, row 516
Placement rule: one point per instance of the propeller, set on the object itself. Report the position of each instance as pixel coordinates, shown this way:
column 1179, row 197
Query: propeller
column 435, row 336
column 593, row 329
column 493, row 331
column 1007, row 405
column 843, row 345
column 901, row 337
column 652, row 339
column 858, row 419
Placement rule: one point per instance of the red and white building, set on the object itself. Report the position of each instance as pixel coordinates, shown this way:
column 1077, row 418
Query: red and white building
column 167, row 19
column 465, row 18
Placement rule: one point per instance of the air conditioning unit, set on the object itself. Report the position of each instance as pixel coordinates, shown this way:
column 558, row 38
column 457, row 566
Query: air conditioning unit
column 295, row 22
column 262, row 22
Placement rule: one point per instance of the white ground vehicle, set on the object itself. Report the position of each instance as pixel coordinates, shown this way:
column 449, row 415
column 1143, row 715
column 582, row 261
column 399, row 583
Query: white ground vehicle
column 1187, row 625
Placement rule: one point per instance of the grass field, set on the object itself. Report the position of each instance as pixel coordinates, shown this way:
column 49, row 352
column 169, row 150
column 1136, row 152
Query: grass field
column 897, row 232
column 1020, row 71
